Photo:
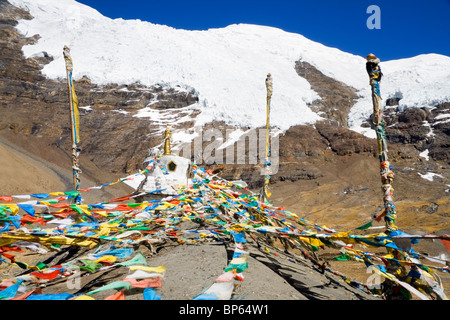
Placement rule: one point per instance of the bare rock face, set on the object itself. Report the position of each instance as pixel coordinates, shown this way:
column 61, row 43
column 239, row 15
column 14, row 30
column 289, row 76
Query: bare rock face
column 337, row 98
column 440, row 146
column 422, row 128
column 345, row 142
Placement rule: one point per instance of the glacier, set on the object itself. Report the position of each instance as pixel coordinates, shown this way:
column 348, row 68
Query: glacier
column 225, row 66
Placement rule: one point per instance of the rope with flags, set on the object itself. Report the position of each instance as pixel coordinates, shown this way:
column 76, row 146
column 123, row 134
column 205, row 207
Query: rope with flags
column 265, row 191
column 75, row 121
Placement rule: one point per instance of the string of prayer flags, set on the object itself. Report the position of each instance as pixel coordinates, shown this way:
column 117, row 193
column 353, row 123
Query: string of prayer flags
column 111, row 231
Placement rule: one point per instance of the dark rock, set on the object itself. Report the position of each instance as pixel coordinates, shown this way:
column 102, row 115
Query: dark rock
column 344, row 141
column 392, row 101
column 422, row 128
column 337, row 98
column 432, row 208
column 413, row 115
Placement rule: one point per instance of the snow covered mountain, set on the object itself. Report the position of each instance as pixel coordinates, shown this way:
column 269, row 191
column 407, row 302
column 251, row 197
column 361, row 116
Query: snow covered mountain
column 226, row 67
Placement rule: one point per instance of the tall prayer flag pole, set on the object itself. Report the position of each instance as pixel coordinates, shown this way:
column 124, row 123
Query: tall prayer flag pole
column 74, row 117
column 387, row 175
column 265, row 192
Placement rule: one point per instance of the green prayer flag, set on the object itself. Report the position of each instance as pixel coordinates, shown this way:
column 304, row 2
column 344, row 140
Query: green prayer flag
column 139, row 228
column 238, row 267
column 52, row 201
column 134, row 205
column 137, row 259
column 90, row 265
column 424, row 268
column 253, row 203
column 76, row 208
column 365, row 226
column 112, row 285
column 72, row 194
column 3, row 208
column 41, row 265
column 343, row 257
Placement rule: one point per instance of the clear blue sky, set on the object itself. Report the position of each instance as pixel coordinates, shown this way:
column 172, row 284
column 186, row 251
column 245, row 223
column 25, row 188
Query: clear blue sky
column 408, row 28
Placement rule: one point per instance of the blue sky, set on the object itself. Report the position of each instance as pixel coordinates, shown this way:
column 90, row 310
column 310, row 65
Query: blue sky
column 407, row 28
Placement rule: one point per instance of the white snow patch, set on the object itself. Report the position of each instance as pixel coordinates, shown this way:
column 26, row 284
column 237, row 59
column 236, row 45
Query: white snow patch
column 442, row 116
column 440, row 122
column 120, row 111
column 424, row 154
column 430, row 133
column 430, row 176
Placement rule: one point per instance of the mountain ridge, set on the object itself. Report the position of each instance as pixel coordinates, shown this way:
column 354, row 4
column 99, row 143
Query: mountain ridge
column 223, row 62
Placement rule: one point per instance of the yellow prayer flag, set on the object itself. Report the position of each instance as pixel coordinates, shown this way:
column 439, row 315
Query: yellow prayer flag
column 160, row 269
column 107, row 258
column 83, row 297
column 56, row 193
column 13, row 207
column 47, row 240
column 102, row 213
column 316, row 242
column 75, row 113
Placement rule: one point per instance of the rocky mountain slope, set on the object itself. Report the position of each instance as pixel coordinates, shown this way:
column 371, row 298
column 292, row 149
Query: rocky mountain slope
column 328, row 173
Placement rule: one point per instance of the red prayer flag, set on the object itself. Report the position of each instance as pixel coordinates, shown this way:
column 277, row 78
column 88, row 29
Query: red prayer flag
column 116, row 296
column 146, row 283
column 124, row 198
column 446, row 244
column 62, row 215
column 381, row 216
column 29, row 218
column 47, row 276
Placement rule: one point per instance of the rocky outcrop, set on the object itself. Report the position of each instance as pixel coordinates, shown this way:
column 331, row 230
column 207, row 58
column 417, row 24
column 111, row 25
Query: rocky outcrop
column 423, row 128
column 336, row 97
column 345, row 142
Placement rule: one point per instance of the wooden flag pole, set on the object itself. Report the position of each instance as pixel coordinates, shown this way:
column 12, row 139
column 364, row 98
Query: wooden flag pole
column 75, row 139
column 265, row 191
